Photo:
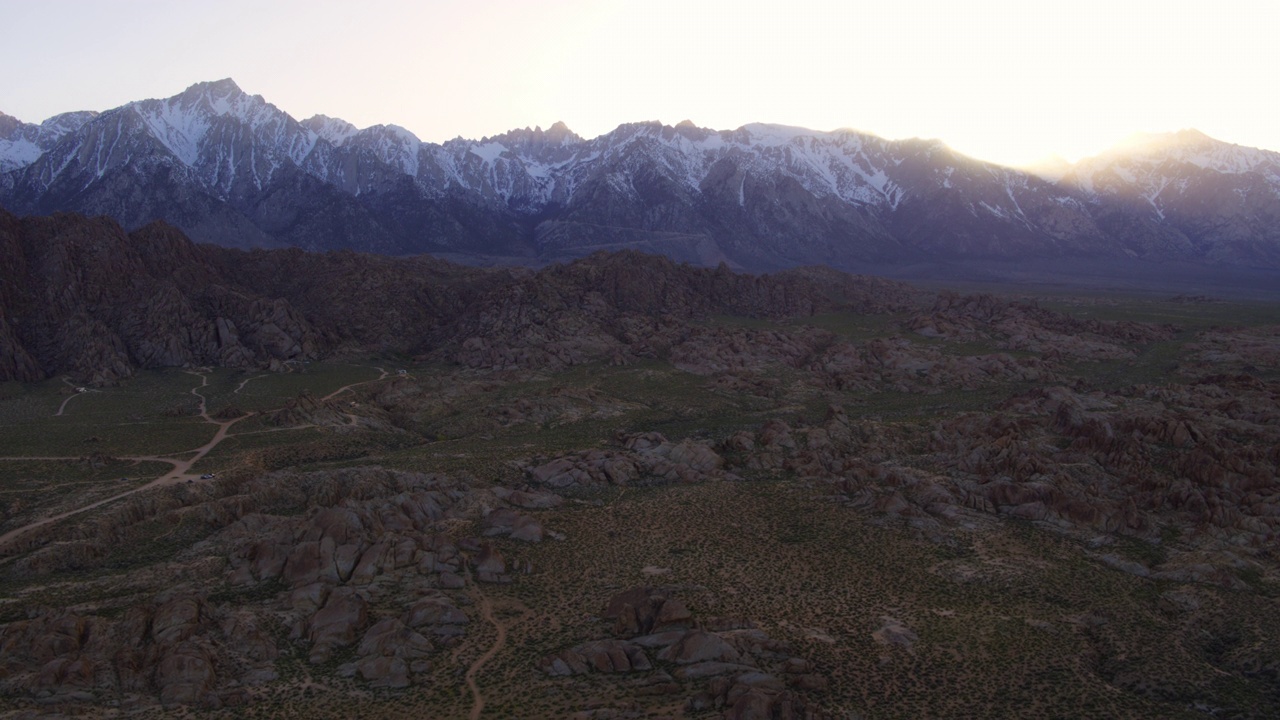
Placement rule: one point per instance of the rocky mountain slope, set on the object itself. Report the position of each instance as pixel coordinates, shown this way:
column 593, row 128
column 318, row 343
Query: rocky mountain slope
column 22, row 144
column 82, row 297
column 231, row 168
column 1203, row 197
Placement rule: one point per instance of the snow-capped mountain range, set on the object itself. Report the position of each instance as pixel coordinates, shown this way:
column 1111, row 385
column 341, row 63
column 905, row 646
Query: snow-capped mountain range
column 22, row 143
column 231, row 168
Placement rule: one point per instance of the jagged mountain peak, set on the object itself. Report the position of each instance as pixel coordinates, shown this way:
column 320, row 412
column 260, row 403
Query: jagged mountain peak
column 1183, row 145
column 1152, row 147
column 1156, row 159
column 687, row 129
column 1145, row 142
column 195, row 125
column 23, row 143
column 391, row 144
column 558, row 134
column 47, row 132
column 67, row 121
column 222, row 97
column 396, row 132
column 9, row 125
column 1190, row 135
column 638, row 128
column 334, row 130
column 776, row 134
column 763, row 195
column 219, row 88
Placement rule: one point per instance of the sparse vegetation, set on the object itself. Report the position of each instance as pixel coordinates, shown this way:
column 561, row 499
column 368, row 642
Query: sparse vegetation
column 810, row 489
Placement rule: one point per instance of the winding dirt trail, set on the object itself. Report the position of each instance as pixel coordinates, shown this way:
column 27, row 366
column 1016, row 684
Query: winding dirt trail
column 77, row 393
column 499, row 643
column 352, row 420
column 62, row 516
column 477, row 697
column 181, row 470
column 344, row 388
column 245, row 382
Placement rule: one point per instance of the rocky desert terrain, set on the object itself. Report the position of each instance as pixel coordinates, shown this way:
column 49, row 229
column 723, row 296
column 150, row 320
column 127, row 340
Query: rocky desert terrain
column 621, row 488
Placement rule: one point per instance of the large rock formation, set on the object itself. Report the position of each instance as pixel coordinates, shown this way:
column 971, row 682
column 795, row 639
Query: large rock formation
column 84, row 298
column 742, row 672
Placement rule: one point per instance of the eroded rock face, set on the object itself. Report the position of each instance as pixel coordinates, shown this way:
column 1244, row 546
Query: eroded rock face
column 344, row 613
column 699, row 646
column 185, row 675
column 646, row 459
column 515, row 525
column 389, row 650
column 173, row 647
column 646, row 610
column 379, row 567
column 490, row 566
column 96, row 303
column 740, row 671
column 1023, row 326
column 604, row 656
column 325, row 573
column 435, row 610
column 528, row 499
column 627, row 306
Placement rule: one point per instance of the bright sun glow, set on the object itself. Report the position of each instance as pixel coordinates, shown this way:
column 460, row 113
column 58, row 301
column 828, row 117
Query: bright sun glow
column 1005, row 81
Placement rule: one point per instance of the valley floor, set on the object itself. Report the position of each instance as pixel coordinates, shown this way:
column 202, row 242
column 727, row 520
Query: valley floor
column 984, row 508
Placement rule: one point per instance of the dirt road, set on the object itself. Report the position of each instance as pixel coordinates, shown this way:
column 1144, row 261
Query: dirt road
column 500, row 641
column 76, row 392
column 181, row 462
column 179, row 472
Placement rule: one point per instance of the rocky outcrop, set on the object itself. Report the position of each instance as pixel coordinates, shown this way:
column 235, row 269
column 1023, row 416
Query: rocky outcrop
column 97, row 302
column 344, row 613
column 517, row 526
column 604, row 656
column 1029, row 327
column 1199, row 457
column 391, row 652
column 616, row 307
column 742, row 672
column 178, row 647
column 644, row 459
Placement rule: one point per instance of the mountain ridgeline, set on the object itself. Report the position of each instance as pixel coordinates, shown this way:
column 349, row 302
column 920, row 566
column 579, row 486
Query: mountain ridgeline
column 80, row 297
column 232, row 169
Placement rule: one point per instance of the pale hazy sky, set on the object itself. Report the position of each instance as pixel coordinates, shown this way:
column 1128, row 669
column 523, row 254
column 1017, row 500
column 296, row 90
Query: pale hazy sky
column 1004, row 80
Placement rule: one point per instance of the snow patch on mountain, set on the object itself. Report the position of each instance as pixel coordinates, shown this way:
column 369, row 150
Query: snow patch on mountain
column 1146, row 163
column 23, row 143
column 392, row 145
column 17, row 153
column 489, row 152
column 770, row 135
column 335, row 131
column 228, row 136
column 232, row 145
column 180, row 131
